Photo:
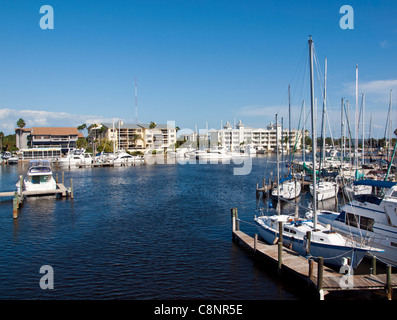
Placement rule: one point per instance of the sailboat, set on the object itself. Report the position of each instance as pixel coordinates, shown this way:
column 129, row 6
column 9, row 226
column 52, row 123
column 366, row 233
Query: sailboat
column 287, row 188
column 352, row 189
column 332, row 246
column 324, row 189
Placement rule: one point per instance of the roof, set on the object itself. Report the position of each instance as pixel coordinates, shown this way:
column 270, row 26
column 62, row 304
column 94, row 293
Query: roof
column 55, row 131
column 136, row 126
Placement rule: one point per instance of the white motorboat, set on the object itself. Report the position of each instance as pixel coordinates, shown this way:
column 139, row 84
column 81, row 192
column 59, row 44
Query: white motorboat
column 213, row 155
column 75, row 159
column 39, row 177
column 125, row 159
column 370, row 217
column 325, row 190
column 13, row 159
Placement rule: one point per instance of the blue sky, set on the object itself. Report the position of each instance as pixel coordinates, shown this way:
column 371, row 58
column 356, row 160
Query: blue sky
column 196, row 61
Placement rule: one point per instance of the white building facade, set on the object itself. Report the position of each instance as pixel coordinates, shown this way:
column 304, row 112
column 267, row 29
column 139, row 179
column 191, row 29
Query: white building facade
column 260, row 139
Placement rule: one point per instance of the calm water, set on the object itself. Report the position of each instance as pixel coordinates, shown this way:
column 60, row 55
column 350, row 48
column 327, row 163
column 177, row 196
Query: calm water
column 144, row 232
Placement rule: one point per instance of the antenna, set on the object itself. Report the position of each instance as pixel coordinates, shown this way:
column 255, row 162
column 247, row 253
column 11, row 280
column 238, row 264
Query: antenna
column 136, row 102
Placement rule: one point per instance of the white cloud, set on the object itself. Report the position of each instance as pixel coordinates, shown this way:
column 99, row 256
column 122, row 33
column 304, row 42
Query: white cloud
column 34, row 118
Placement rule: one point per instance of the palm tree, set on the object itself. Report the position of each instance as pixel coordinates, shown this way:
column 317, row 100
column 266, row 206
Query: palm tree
column 152, row 125
column 21, row 124
column 1, row 140
column 82, row 127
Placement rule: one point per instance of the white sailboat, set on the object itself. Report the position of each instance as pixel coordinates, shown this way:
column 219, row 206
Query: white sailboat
column 324, row 189
column 332, row 246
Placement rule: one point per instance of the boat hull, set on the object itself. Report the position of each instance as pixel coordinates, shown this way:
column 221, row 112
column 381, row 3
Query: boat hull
column 334, row 255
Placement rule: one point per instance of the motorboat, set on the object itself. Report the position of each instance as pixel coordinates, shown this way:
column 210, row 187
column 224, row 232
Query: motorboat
column 13, row 159
column 75, row 159
column 213, row 155
column 371, row 217
column 39, row 177
column 125, row 159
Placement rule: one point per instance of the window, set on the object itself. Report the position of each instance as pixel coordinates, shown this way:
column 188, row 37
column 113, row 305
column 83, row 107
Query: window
column 366, row 223
column 352, row 220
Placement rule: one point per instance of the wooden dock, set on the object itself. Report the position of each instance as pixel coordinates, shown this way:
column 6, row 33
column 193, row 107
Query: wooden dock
column 18, row 198
column 321, row 278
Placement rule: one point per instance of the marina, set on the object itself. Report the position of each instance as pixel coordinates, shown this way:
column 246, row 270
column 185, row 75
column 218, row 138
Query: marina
column 191, row 256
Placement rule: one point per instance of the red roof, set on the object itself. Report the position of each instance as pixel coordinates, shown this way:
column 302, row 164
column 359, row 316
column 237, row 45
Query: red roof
column 55, row 131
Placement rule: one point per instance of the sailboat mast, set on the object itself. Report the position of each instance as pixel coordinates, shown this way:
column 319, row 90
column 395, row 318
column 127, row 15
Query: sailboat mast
column 136, row 102
column 363, row 100
column 304, row 130
column 289, row 124
column 342, row 138
column 324, row 108
column 278, row 169
column 314, row 142
column 356, row 129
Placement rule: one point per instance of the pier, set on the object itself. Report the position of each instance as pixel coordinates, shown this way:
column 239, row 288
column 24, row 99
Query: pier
column 18, row 197
column 322, row 279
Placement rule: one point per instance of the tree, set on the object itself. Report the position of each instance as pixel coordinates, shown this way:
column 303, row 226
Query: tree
column 152, row 125
column 20, row 124
column 82, row 127
column 1, row 140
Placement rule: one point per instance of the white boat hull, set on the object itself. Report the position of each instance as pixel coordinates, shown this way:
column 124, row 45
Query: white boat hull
column 288, row 190
column 325, row 190
column 333, row 253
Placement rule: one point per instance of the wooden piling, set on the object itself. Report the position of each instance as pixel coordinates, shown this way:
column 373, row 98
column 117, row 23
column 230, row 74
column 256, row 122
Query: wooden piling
column 374, row 265
column 255, row 242
column 15, row 206
column 388, row 282
column 280, row 231
column 280, row 257
column 63, row 178
column 20, row 185
column 320, row 273
column 71, row 188
column 311, row 268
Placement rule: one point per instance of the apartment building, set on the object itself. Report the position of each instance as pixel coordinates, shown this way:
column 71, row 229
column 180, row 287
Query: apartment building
column 140, row 137
column 261, row 139
column 47, row 137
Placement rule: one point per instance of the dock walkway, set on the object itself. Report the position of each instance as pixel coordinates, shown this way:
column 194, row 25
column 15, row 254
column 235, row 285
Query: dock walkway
column 18, row 197
column 322, row 278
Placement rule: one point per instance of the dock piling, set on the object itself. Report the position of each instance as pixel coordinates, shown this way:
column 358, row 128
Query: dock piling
column 388, row 282
column 71, row 188
column 373, row 265
column 280, row 257
column 15, row 206
column 320, row 273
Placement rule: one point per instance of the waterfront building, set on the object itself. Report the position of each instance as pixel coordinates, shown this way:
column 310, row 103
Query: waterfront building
column 140, row 137
column 47, row 137
column 261, row 139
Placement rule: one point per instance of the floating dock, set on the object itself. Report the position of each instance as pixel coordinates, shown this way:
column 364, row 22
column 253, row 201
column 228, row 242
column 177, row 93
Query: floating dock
column 321, row 278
